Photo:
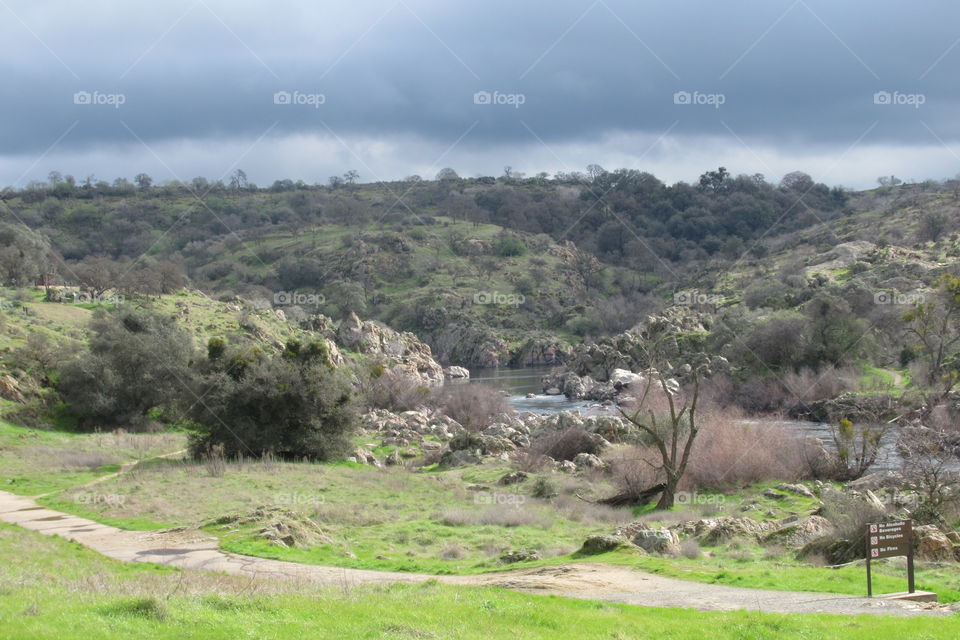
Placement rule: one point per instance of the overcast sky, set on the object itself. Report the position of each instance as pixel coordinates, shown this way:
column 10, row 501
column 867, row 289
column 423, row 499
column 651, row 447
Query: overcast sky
column 845, row 91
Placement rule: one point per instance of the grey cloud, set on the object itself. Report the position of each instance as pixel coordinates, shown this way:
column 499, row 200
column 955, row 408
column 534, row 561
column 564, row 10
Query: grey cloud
column 784, row 75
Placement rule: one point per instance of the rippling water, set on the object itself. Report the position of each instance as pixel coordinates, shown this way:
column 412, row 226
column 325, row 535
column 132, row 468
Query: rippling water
column 517, row 383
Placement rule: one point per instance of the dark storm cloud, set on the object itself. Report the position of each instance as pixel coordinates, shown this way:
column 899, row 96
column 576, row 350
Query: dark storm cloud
column 797, row 72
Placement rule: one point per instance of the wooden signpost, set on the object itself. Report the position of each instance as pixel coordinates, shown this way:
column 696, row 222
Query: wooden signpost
column 887, row 540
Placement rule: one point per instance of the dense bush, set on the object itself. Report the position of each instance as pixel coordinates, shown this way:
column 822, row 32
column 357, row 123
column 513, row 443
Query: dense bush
column 294, row 406
column 137, row 362
column 566, row 444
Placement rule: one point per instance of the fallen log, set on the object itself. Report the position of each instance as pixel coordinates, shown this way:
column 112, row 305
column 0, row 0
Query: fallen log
column 633, row 499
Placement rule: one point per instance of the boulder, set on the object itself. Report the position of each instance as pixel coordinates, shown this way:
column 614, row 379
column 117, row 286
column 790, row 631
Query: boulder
column 363, row 456
column 611, row 428
column 801, row 532
column 713, row 531
column 565, row 466
column 350, row 331
column 662, row 541
column 499, row 430
column 620, row 378
column 560, row 421
column 10, row 389
column 538, row 352
column 496, row 445
column 514, row 477
column 601, row 392
column 405, row 353
column 835, row 551
column 521, row 555
column 797, row 489
column 932, row 544
column 459, row 458
column 568, row 384
column 520, row 440
column 603, row 543
column 877, row 481
column 588, row 461
column 876, row 503
column 774, row 495
column 456, row 372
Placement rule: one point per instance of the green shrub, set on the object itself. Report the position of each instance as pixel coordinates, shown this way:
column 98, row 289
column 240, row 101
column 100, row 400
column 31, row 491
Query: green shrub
column 295, row 406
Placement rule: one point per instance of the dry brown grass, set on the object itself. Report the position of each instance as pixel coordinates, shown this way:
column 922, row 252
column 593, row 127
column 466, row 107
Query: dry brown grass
column 730, row 452
column 497, row 515
column 573, row 508
column 473, row 405
column 564, row 445
column 452, row 552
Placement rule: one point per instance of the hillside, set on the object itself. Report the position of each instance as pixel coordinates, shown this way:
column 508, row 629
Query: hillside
column 424, row 257
column 490, row 272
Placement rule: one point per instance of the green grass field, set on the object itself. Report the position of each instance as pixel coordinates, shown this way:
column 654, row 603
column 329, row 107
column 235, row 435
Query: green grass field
column 34, row 462
column 52, row 588
column 393, row 519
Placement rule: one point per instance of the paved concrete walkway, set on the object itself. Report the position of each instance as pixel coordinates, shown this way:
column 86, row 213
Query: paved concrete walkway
column 196, row 550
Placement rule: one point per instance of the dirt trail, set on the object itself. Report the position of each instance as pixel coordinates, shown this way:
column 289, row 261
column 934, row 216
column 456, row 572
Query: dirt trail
column 196, row 550
column 124, row 468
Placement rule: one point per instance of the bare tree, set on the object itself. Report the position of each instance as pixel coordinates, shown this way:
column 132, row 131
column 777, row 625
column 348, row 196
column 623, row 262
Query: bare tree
column 98, row 274
column 930, row 464
column 238, row 180
column 673, row 431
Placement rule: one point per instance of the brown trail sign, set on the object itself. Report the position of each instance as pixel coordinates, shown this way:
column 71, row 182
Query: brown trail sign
column 887, row 540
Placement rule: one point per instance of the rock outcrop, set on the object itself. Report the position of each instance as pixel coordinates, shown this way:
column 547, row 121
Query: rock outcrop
column 538, row 352
column 801, row 531
column 629, row 350
column 662, row 541
column 932, row 544
column 10, row 389
column 603, row 543
column 406, row 354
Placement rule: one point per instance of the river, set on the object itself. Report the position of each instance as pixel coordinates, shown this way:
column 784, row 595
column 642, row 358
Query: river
column 517, row 383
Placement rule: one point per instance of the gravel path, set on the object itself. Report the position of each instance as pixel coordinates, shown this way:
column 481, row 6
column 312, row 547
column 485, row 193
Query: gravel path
column 196, row 550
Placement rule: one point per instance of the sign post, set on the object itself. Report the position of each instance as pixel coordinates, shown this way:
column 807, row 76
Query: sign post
column 887, row 540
